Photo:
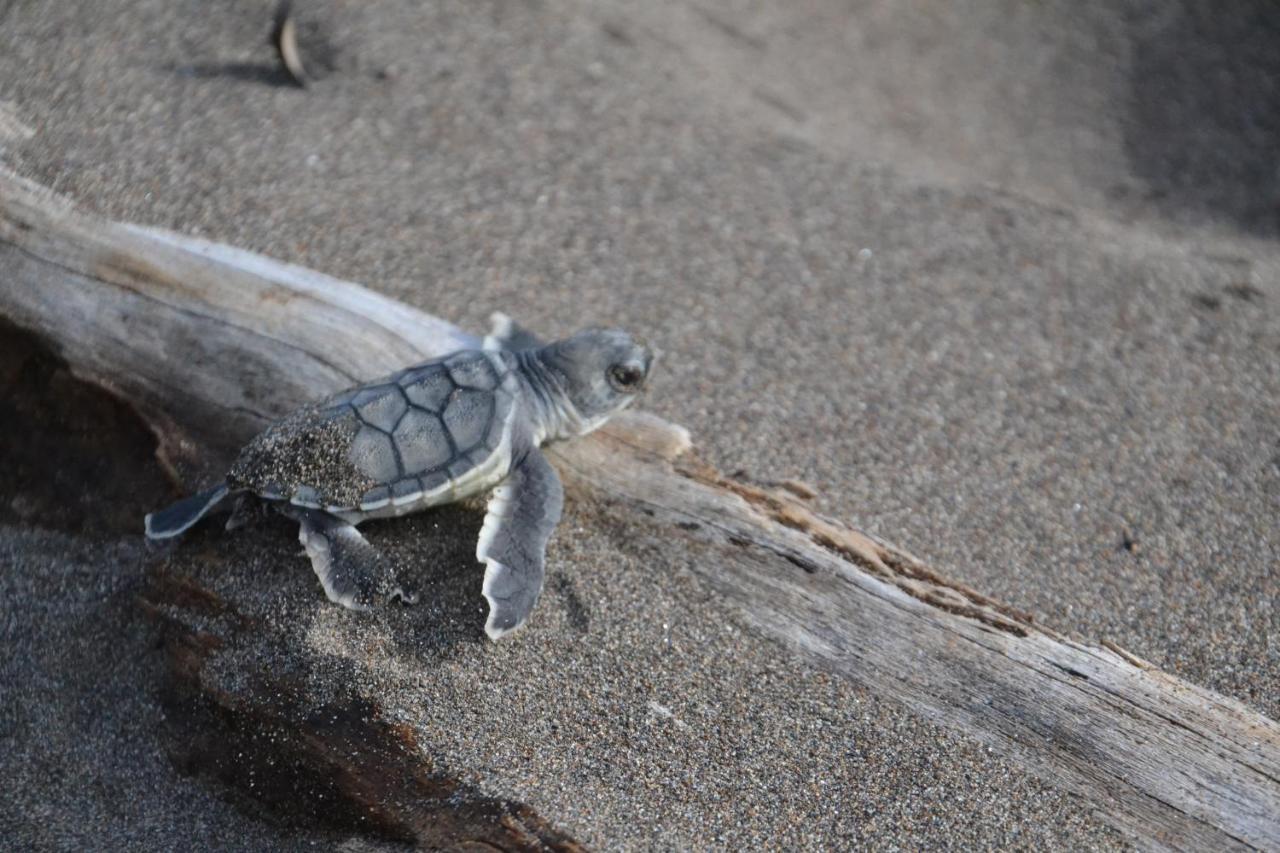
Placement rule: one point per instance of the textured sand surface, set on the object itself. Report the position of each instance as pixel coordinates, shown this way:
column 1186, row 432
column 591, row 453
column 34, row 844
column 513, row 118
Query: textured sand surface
column 1000, row 283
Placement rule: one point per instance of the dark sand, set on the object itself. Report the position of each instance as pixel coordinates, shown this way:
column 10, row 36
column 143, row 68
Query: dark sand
column 1000, row 282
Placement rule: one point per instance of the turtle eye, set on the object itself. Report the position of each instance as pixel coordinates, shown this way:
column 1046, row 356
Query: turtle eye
column 625, row 377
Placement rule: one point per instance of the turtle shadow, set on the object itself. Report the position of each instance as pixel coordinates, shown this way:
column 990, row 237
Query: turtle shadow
column 279, row 698
column 262, row 571
column 434, row 557
column 434, row 553
column 260, row 73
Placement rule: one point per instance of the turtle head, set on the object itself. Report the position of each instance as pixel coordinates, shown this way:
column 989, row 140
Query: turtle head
column 600, row 371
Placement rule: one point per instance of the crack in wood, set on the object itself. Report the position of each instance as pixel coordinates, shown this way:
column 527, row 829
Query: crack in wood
column 859, row 550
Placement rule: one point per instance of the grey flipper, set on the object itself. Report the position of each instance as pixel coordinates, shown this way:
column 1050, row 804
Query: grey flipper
column 178, row 518
column 509, row 335
column 513, row 541
column 351, row 570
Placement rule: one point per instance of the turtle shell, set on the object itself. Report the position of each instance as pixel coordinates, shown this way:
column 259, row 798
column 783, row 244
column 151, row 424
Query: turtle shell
column 426, row 431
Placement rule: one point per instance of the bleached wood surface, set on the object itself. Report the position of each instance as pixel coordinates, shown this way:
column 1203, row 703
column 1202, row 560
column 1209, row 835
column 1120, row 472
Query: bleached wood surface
column 210, row 343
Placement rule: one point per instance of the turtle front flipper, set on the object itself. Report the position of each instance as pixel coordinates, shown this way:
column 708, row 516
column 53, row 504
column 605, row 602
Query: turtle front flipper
column 509, row 335
column 351, row 570
column 523, row 511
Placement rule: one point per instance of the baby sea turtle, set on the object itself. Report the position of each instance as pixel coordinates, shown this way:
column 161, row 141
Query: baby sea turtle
column 431, row 434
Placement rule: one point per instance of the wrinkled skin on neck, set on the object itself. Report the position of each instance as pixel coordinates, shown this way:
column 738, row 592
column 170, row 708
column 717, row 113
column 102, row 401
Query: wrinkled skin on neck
column 576, row 384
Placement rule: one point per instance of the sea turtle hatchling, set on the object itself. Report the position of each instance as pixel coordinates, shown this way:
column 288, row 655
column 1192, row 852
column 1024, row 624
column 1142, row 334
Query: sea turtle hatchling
column 431, row 434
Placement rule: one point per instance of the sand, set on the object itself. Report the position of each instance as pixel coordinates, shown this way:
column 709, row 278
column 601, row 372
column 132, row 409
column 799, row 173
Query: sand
column 1000, row 283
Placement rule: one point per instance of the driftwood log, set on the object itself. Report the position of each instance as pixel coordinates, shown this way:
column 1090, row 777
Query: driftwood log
column 209, row 343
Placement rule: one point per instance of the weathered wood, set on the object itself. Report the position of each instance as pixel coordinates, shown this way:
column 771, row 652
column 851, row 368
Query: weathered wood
column 210, row 342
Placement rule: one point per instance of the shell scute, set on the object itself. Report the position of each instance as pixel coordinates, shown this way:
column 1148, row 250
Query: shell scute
column 375, row 497
column 473, row 371
column 422, row 442
column 306, row 496
column 373, row 455
column 382, row 410
column 468, row 417
column 428, row 388
column 406, row 488
column 434, row 480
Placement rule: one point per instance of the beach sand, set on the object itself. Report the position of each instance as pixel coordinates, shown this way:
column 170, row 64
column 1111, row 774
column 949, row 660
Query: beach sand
column 1000, row 283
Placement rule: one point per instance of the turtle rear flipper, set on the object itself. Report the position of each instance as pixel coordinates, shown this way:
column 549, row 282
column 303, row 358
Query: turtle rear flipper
column 351, row 570
column 176, row 519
